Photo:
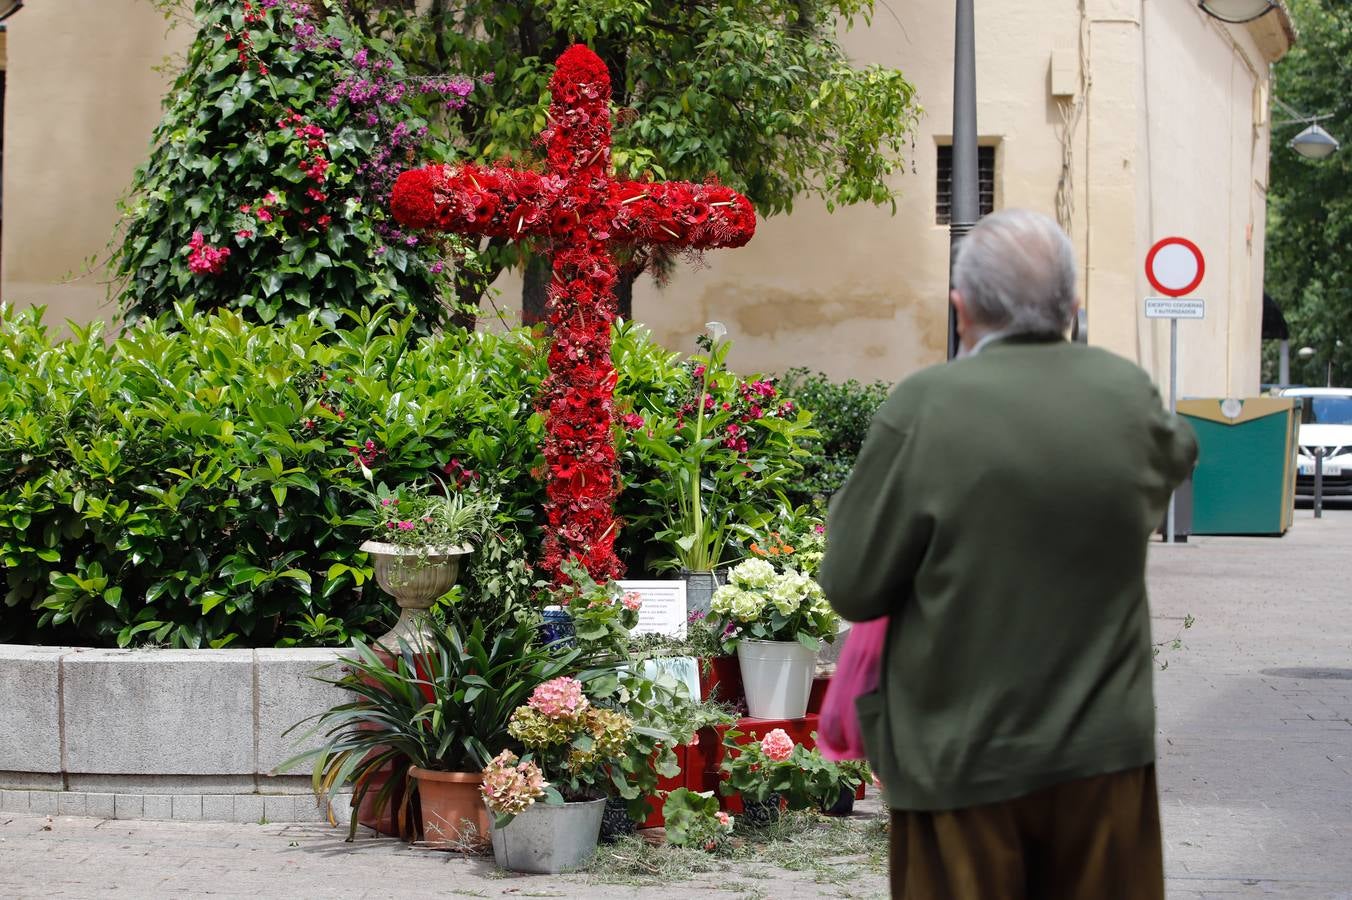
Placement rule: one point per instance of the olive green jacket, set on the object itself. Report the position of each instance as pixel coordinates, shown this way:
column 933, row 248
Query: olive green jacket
column 999, row 512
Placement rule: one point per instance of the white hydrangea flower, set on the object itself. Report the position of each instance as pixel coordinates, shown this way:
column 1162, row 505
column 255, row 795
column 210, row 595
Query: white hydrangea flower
column 721, row 604
column 754, row 574
column 747, row 607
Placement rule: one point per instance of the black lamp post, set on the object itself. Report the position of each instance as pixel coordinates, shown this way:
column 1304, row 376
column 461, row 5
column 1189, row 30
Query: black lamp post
column 964, row 205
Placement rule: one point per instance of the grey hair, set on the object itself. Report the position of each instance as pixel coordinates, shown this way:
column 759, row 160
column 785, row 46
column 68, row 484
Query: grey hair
column 1016, row 272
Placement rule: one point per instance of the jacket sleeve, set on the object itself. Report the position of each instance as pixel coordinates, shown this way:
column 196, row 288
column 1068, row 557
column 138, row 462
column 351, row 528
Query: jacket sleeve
column 1175, row 444
column 876, row 534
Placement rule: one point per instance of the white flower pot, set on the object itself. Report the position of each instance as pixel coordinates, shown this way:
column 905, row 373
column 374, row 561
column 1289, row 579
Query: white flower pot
column 547, row 840
column 777, row 676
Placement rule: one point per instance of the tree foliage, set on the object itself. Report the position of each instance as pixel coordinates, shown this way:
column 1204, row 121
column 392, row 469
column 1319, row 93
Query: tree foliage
column 757, row 93
column 267, row 181
column 1309, row 243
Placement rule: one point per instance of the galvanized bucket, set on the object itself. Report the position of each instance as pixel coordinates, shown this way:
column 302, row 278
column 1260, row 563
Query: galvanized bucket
column 547, row 840
column 777, row 676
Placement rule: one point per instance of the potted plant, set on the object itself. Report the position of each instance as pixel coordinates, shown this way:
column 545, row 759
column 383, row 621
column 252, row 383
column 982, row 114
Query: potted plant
column 780, row 620
column 571, row 746
column 422, row 719
column 711, row 640
column 600, row 616
column 693, row 819
column 775, row 772
column 848, row 775
column 732, row 441
column 416, row 548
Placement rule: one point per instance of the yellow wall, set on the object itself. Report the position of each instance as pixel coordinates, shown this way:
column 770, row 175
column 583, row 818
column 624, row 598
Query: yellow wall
column 80, row 102
column 1165, row 142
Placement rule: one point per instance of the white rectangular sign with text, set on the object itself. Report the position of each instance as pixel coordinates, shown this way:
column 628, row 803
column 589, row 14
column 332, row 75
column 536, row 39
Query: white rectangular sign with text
column 663, row 610
column 1174, row 308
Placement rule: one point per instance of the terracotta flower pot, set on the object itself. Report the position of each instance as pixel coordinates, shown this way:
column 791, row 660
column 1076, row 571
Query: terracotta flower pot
column 453, row 811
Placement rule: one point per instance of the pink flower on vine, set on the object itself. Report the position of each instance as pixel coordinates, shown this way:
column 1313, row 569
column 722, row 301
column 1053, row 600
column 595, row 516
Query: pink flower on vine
column 777, row 745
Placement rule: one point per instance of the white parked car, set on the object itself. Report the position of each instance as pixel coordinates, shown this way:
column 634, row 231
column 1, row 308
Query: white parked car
column 1325, row 421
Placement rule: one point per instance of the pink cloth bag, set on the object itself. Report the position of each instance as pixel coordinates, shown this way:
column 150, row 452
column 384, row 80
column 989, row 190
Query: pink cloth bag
column 857, row 673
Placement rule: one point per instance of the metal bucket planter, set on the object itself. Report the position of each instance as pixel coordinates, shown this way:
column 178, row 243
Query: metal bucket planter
column 699, row 589
column 415, row 577
column 547, row 840
column 777, row 678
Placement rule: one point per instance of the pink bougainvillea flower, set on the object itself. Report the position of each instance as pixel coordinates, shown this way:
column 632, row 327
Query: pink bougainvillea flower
column 777, row 745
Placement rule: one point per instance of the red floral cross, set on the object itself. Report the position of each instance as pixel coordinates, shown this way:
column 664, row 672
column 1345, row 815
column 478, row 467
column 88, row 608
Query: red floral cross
column 581, row 210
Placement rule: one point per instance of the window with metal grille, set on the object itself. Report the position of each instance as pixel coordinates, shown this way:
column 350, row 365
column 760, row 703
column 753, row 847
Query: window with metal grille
column 985, row 169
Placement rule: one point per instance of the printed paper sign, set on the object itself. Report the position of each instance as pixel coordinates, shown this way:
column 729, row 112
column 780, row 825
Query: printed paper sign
column 663, row 610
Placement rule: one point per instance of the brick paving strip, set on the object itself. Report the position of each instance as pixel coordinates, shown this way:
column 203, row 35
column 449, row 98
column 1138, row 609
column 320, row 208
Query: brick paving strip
column 1255, row 716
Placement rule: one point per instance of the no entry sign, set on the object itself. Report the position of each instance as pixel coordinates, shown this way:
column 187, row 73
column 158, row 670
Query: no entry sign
column 1175, row 266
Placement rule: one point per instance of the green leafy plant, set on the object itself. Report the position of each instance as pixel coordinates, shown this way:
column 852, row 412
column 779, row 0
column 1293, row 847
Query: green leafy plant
column 789, row 536
column 693, row 819
column 666, row 716
column 445, row 702
column 413, row 517
column 776, row 766
column 268, row 177
column 842, row 413
column 769, row 605
column 199, row 481
column 730, row 443
column 602, row 614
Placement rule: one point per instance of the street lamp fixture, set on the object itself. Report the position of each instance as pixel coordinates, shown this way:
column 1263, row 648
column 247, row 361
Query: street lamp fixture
column 1237, row 12
column 1314, row 143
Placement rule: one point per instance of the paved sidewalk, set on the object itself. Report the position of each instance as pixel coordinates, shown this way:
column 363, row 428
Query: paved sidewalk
column 1255, row 754
column 1255, row 769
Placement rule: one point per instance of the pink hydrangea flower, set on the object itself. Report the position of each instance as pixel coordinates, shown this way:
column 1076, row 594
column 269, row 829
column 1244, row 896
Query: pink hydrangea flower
column 777, row 745
column 561, row 698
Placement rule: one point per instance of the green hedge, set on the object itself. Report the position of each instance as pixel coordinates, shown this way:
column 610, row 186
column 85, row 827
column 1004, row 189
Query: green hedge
column 842, row 412
column 196, row 483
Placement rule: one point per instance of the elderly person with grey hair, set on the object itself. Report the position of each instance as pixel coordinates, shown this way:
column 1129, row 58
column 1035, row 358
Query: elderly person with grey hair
column 999, row 514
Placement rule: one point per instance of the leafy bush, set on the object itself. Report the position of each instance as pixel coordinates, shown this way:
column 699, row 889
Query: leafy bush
column 842, row 412
column 205, row 487
column 267, row 182
column 202, row 481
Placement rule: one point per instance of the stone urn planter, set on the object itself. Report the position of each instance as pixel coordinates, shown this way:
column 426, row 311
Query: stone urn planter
column 453, row 811
column 547, row 840
column 777, row 678
column 415, row 577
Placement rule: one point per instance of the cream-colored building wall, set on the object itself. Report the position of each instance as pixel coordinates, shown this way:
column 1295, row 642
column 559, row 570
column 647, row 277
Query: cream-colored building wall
column 81, row 99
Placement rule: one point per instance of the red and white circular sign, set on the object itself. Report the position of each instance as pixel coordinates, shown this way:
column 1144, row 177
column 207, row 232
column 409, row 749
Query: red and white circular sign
column 1175, row 266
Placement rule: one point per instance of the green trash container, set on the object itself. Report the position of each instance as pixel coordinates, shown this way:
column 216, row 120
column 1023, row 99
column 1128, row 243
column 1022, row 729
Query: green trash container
column 1245, row 482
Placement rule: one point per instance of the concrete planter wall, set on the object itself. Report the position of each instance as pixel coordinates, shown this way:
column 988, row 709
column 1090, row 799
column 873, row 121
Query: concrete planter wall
column 159, row 734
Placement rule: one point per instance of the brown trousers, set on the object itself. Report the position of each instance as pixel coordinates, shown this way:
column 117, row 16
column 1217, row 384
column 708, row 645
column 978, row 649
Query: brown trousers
column 1091, row 839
